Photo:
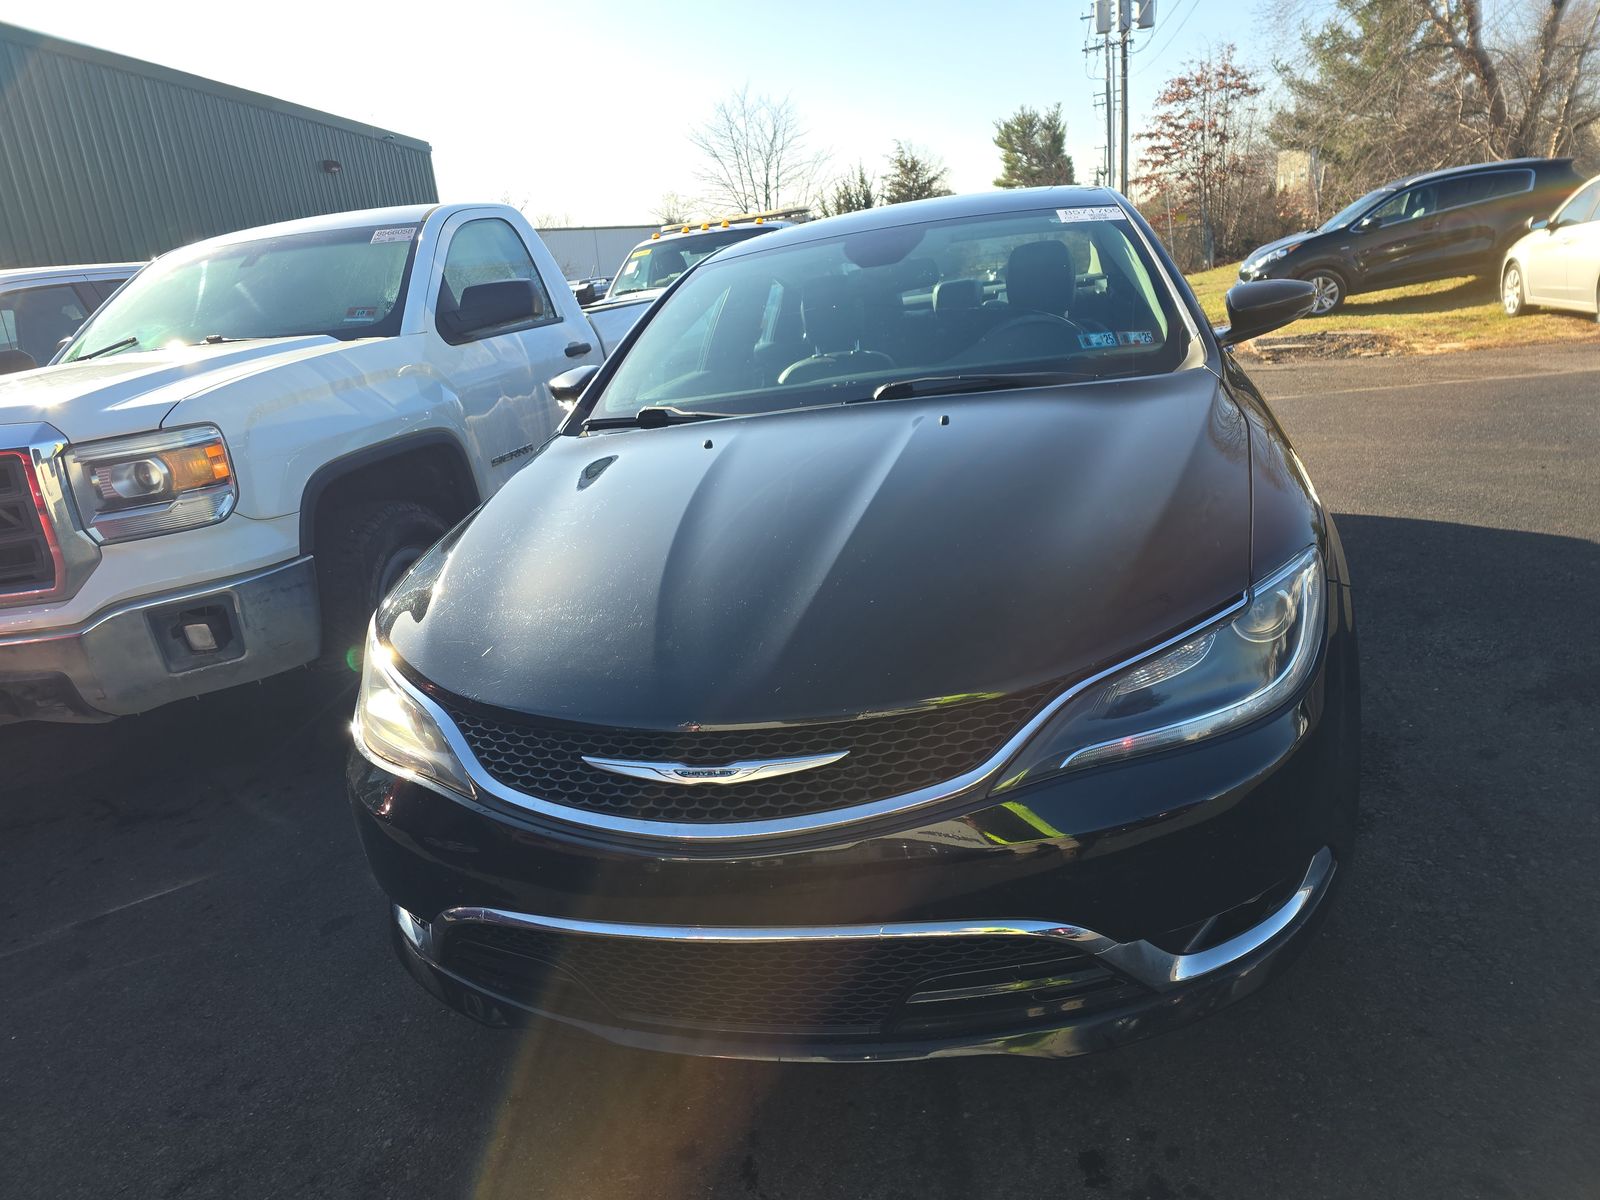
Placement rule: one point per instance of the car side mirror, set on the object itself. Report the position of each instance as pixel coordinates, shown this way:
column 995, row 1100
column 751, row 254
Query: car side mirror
column 1370, row 221
column 566, row 387
column 1263, row 305
column 12, row 361
column 586, row 294
column 487, row 307
column 1537, row 223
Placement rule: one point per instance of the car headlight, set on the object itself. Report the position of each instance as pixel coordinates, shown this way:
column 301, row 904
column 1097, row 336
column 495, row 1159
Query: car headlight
column 154, row 483
column 394, row 728
column 1273, row 256
column 1216, row 680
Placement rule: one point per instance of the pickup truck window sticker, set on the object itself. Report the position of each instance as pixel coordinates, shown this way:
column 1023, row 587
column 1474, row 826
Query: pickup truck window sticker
column 362, row 314
column 1092, row 212
column 393, row 235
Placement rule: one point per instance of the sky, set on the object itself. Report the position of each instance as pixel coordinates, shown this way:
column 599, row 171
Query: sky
column 579, row 112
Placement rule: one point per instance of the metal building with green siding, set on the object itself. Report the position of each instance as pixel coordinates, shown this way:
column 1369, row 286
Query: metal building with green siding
column 105, row 158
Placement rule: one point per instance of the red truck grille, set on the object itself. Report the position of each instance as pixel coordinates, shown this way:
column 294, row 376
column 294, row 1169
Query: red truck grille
column 29, row 561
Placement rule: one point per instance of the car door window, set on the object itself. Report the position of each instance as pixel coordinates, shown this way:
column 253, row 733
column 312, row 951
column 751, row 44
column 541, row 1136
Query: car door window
column 1456, row 193
column 1409, row 206
column 1508, row 183
column 488, row 251
column 1585, row 206
column 34, row 320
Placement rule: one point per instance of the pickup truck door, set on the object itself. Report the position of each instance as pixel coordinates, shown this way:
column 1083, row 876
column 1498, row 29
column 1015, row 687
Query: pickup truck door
column 498, row 369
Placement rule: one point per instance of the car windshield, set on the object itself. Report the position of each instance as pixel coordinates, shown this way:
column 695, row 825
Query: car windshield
column 346, row 283
column 1058, row 291
column 1350, row 212
column 656, row 264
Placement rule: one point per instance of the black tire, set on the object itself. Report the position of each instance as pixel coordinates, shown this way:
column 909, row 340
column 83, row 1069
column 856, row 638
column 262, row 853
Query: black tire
column 1331, row 290
column 362, row 552
column 1513, row 291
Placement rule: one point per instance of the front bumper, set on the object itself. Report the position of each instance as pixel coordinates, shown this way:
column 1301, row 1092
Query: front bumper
column 1050, row 1017
column 1172, row 885
column 131, row 657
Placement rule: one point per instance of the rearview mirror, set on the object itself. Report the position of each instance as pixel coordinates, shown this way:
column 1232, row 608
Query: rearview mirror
column 489, row 307
column 566, row 387
column 1263, row 305
column 1537, row 223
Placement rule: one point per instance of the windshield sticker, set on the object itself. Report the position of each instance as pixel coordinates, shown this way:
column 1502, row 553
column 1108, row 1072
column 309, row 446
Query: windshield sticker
column 393, row 235
column 1096, row 212
column 1136, row 337
column 640, row 253
column 364, row 313
column 1097, row 341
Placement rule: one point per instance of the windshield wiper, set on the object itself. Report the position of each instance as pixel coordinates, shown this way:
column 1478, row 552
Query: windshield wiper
column 216, row 339
column 651, row 418
column 948, row 385
column 123, row 344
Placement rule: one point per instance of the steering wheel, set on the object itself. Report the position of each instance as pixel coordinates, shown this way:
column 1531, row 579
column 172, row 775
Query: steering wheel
column 1041, row 321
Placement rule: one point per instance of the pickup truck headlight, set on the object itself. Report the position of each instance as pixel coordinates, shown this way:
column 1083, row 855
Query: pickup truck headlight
column 154, row 483
column 1216, row 680
column 392, row 727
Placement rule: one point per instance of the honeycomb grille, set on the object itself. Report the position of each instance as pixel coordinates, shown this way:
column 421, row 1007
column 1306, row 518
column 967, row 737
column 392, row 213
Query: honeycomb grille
column 793, row 987
column 888, row 756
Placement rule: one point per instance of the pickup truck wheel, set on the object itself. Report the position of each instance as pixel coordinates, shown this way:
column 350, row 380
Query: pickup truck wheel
column 362, row 552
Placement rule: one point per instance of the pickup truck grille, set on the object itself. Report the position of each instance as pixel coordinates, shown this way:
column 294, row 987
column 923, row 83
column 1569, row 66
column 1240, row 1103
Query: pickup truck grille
column 26, row 563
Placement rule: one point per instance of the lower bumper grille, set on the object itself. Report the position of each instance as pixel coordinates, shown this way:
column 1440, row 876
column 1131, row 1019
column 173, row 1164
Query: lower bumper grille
column 912, row 986
column 26, row 563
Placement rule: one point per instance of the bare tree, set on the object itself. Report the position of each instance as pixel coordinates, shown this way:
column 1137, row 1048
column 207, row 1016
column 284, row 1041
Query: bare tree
column 671, row 209
column 755, row 155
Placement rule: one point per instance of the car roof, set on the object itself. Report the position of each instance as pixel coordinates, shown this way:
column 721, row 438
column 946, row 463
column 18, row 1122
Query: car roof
column 1473, row 168
column 37, row 274
column 941, row 208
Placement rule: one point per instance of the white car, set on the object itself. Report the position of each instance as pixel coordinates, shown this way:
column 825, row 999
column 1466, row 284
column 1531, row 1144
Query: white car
column 1557, row 263
column 40, row 307
column 241, row 451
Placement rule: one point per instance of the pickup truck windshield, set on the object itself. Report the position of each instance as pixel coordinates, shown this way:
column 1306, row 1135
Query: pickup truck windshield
column 346, row 283
column 787, row 325
column 656, row 264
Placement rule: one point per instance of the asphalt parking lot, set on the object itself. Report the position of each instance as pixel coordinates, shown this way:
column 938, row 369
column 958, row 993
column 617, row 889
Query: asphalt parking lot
column 198, row 998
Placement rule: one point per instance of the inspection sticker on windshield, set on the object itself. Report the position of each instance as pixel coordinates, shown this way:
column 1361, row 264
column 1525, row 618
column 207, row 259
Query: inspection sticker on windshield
column 363, row 313
column 1094, row 212
column 1097, row 341
column 393, row 235
column 1136, row 337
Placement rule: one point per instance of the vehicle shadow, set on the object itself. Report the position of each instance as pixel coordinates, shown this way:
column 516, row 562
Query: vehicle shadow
column 1463, row 293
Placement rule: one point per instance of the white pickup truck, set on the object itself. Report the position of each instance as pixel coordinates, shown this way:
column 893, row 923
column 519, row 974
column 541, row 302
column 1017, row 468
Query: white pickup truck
column 236, row 456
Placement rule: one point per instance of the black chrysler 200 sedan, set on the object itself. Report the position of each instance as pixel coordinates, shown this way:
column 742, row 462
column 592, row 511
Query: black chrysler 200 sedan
column 920, row 640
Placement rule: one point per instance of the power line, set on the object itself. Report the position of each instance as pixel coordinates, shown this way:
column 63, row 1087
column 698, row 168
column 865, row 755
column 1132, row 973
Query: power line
column 1178, row 28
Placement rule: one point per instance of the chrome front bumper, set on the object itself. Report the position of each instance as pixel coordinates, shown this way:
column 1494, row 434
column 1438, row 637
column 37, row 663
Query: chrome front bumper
column 1182, row 985
column 125, row 660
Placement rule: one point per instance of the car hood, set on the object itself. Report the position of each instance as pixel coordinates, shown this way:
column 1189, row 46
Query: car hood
column 1281, row 243
column 841, row 561
column 133, row 393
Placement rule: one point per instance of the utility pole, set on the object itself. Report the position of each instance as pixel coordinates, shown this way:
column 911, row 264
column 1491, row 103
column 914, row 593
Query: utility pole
column 1114, row 23
column 1126, row 33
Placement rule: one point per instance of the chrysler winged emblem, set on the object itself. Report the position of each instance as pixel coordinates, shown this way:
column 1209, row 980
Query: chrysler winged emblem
column 747, row 771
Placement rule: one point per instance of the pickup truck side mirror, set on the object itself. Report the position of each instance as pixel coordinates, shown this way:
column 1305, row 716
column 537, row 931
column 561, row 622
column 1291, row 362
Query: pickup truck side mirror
column 12, row 361
column 1537, row 223
column 1263, row 305
column 489, row 308
column 566, row 387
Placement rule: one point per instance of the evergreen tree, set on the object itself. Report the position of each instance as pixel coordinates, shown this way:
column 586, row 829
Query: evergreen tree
column 1033, row 149
column 913, row 176
column 854, row 192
